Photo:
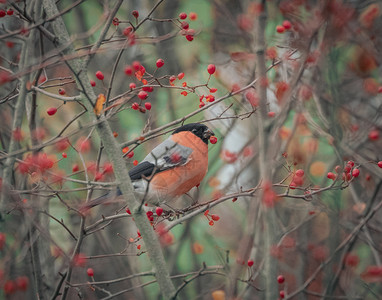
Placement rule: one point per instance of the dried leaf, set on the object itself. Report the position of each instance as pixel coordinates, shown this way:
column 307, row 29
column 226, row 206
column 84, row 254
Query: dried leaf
column 99, row 104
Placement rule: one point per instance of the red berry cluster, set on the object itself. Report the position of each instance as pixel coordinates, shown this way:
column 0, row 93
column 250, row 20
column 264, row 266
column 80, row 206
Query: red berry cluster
column 39, row 162
column 348, row 172
column 150, row 214
column 281, row 280
column 211, row 217
column 21, row 283
column 129, row 153
column 139, row 71
column 185, row 26
column 4, row 12
column 286, row 25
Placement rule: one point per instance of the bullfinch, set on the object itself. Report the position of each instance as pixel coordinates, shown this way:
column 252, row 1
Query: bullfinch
column 171, row 169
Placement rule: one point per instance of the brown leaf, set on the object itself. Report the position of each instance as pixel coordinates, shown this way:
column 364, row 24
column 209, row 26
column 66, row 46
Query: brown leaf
column 99, row 104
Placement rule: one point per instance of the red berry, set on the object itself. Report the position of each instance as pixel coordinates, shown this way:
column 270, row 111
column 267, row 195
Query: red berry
column 374, row 135
column 22, row 283
column 148, row 105
column 51, row 111
column 142, row 95
column 213, row 139
column 127, row 31
column 92, row 83
column 128, row 211
column 287, row 25
column 193, row 16
column 215, row 217
column 210, row 98
column 379, row 164
column 331, row 175
column 128, row 71
column 180, row 76
column 280, row 29
column 337, row 169
column 135, row 163
column 292, row 185
column 2, row 13
column 282, row 294
column 98, row 176
column 10, row 12
column 99, row 75
column 280, row 279
column 75, row 168
column 347, row 169
column 351, row 260
column 90, row 272
column 142, row 71
column 211, row 69
column 350, row 163
column 64, row 155
column 182, row 15
column 298, row 180
column 250, row 263
column 271, row 114
column 61, row 91
column 132, row 85
column 190, row 38
column 9, row 286
column 160, row 63
column 184, row 25
column 135, row 14
column 355, row 173
column 136, row 65
column 211, row 223
column 300, row 173
column 135, row 106
column 148, row 89
column 130, row 154
column 116, row 21
column 159, row 211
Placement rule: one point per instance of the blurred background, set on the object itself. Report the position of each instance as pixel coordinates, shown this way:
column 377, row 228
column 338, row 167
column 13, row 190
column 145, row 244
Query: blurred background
column 310, row 228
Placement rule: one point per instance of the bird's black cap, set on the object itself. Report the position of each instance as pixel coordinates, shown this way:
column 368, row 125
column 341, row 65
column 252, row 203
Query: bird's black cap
column 200, row 130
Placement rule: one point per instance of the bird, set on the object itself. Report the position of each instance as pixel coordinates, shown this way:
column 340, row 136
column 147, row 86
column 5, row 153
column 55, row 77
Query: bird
column 171, row 169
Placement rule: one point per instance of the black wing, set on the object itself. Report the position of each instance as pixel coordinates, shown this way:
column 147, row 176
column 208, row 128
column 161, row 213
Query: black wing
column 145, row 169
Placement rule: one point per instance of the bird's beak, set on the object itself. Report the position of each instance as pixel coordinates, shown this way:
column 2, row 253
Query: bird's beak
column 208, row 133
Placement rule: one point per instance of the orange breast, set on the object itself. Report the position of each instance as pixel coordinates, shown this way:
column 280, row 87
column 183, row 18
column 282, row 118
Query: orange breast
column 180, row 180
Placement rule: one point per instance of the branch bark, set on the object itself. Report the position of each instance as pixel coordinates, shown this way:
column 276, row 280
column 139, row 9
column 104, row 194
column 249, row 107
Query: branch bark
column 265, row 162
